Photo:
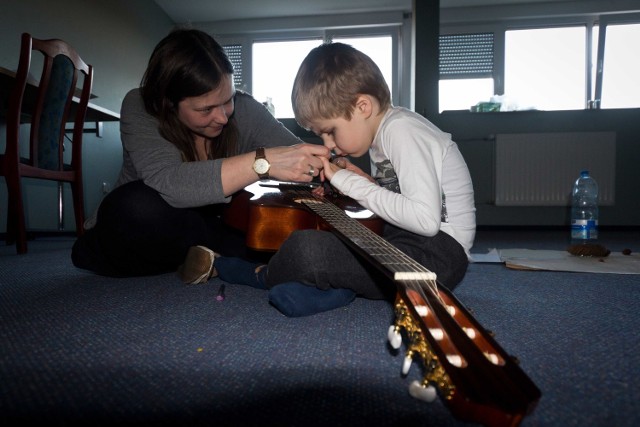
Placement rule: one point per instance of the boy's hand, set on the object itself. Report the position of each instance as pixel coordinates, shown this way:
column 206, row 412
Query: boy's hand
column 337, row 163
column 330, row 168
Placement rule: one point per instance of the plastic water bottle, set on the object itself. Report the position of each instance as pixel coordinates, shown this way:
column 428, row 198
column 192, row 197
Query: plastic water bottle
column 584, row 210
column 269, row 104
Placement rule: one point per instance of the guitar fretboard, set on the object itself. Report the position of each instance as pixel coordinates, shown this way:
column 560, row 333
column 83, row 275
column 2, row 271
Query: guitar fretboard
column 399, row 265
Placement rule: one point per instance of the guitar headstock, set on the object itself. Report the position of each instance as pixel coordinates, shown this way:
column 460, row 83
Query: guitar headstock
column 462, row 362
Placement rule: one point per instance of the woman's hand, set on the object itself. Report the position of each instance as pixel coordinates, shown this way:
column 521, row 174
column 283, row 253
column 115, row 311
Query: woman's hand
column 298, row 163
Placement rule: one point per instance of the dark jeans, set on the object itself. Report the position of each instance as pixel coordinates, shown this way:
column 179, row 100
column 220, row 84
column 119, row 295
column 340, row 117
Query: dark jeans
column 320, row 259
column 139, row 234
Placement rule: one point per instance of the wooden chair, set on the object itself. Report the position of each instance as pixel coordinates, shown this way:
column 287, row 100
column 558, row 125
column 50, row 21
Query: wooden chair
column 48, row 105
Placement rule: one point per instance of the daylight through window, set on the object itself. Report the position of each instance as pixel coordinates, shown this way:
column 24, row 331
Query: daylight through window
column 275, row 65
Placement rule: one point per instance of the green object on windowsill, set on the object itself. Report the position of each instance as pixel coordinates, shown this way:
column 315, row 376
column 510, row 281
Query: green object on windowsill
column 486, row 107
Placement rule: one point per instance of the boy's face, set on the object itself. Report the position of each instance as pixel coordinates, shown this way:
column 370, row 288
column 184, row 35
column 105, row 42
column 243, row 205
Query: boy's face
column 345, row 137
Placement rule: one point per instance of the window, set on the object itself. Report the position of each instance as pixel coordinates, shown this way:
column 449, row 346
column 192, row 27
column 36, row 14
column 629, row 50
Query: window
column 545, row 68
column 591, row 62
column 621, row 67
column 275, row 65
column 462, row 94
column 548, row 62
column 466, row 70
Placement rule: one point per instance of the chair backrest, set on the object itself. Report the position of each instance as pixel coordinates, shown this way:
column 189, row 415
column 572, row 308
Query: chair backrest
column 62, row 71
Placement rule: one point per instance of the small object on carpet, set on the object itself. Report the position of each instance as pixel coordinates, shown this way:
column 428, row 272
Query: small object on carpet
column 221, row 295
column 589, row 249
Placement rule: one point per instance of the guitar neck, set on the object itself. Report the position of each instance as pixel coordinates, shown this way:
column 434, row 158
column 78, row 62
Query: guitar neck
column 390, row 260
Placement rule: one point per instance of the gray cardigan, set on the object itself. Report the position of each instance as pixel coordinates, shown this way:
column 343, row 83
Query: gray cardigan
column 149, row 157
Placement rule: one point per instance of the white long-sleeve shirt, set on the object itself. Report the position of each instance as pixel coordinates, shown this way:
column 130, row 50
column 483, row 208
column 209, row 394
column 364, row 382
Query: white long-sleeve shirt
column 423, row 183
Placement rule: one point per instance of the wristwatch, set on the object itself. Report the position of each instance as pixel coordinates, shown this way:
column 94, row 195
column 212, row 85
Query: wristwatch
column 261, row 165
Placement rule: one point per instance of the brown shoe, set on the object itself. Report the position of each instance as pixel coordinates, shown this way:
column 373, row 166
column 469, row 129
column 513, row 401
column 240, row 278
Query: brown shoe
column 198, row 265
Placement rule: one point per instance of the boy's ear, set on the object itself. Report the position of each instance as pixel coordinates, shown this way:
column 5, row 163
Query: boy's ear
column 364, row 105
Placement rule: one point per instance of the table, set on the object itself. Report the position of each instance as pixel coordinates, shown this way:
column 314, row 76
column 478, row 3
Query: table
column 95, row 113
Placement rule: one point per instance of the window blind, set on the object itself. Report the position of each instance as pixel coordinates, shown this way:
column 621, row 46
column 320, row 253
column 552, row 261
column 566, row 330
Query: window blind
column 234, row 53
column 466, row 55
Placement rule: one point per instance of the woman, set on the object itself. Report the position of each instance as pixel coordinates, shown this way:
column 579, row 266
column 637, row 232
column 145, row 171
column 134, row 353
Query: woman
column 190, row 141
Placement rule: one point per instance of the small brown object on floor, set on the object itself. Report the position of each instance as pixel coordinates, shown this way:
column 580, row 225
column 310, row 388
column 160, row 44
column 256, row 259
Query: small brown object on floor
column 626, row 251
column 588, row 249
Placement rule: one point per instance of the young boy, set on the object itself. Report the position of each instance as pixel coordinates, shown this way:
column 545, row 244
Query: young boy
column 420, row 187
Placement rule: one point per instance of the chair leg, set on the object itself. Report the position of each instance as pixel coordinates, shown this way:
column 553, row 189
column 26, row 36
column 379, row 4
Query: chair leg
column 16, row 227
column 60, row 206
column 11, row 222
column 78, row 205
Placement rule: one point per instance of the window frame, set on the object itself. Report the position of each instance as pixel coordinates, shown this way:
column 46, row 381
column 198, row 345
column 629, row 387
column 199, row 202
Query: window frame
column 604, row 21
column 452, row 21
column 395, row 31
column 593, row 81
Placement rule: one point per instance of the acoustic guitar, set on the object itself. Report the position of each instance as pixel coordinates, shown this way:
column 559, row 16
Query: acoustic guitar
column 463, row 364
column 267, row 216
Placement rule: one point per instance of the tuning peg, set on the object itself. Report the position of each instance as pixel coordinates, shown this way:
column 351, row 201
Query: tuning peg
column 406, row 364
column 394, row 337
column 426, row 393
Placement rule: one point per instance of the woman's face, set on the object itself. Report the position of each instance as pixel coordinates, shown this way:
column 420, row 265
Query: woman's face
column 207, row 114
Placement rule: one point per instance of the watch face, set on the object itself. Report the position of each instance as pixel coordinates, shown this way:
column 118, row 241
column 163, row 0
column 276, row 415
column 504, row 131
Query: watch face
column 261, row 166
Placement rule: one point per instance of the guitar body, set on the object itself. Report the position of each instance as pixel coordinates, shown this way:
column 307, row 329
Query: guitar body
column 267, row 215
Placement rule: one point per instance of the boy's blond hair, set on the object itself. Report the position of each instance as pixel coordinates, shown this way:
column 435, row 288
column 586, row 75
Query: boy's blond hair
column 329, row 81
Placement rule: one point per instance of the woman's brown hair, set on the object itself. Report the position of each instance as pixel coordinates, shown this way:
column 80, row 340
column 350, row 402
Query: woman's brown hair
column 184, row 64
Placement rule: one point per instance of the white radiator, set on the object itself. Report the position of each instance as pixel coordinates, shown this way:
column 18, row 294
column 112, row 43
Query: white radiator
column 539, row 169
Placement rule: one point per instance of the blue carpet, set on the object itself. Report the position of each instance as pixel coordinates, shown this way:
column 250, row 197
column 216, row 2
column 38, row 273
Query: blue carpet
column 79, row 349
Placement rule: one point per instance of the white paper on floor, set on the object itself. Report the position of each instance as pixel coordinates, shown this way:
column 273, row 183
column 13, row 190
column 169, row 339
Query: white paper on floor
column 529, row 259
